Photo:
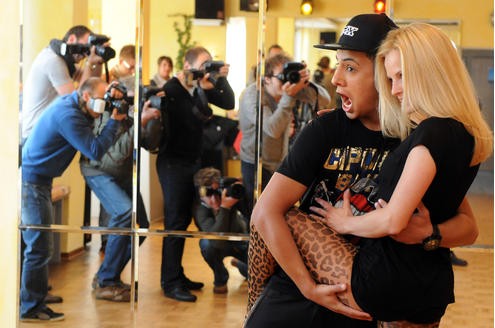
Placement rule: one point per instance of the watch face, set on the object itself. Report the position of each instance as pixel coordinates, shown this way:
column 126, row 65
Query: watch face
column 431, row 244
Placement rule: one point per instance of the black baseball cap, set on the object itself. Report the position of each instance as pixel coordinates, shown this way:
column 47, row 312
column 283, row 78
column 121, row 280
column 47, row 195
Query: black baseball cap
column 363, row 33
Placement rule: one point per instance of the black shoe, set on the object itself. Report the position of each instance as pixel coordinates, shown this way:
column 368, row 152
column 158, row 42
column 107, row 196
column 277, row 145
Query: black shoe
column 103, row 246
column 181, row 294
column 456, row 260
column 44, row 314
column 192, row 285
column 50, row 299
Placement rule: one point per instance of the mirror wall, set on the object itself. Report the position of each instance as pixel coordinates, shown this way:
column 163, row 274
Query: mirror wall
column 150, row 25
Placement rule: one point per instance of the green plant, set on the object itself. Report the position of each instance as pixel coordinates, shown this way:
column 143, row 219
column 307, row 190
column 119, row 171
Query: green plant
column 183, row 38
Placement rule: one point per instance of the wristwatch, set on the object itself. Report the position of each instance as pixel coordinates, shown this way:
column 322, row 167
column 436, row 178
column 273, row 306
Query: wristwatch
column 432, row 242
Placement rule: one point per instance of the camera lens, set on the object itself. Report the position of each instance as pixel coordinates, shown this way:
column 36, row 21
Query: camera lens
column 293, row 77
column 106, row 53
column 236, row 191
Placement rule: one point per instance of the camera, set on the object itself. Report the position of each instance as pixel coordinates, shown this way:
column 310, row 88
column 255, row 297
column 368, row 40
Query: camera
column 74, row 49
column 233, row 186
column 318, row 76
column 291, row 71
column 193, row 75
column 150, row 92
column 98, row 40
column 121, row 104
column 213, row 67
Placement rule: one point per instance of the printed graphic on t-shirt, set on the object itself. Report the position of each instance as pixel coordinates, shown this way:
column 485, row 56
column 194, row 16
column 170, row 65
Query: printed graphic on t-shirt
column 350, row 167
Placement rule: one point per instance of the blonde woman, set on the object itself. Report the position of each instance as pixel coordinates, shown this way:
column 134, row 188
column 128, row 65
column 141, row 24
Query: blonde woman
column 427, row 99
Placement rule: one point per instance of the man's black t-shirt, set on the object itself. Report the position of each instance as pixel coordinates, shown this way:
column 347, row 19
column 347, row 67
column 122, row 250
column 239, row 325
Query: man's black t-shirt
column 334, row 153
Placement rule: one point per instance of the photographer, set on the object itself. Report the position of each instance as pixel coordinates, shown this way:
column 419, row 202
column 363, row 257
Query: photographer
column 64, row 128
column 54, row 72
column 217, row 213
column 123, row 72
column 186, row 105
column 281, row 89
column 110, row 178
column 125, row 69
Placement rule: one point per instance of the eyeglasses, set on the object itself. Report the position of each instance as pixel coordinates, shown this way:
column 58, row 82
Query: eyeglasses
column 127, row 65
column 279, row 76
column 209, row 191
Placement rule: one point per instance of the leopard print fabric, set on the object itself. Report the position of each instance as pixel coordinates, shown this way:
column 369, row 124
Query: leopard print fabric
column 327, row 255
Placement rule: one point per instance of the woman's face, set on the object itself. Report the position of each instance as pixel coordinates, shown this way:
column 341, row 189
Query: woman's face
column 164, row 69
column 393, row 68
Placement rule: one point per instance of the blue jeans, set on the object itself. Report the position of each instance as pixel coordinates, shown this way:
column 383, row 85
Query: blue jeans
column 248, row 172
column 116, row 197
column 214, row 257
column 176, row 180
column 36, row 209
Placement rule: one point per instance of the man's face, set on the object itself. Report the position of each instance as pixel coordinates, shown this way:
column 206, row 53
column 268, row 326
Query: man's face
column 273, row 84
column 127, row 66
column 98, row 93
column 212, row 196
column 199, row 62
column 354, row 79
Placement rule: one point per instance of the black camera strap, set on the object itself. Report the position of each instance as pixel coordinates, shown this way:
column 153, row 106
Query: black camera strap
column 201, row 108
column 56, row 46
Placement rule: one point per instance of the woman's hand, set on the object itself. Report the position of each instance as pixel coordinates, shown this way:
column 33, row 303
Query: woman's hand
column 334, row 217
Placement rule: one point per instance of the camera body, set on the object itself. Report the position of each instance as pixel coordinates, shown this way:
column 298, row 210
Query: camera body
column 150, row 92
column 210, row 66
column 98, row 40
column 318, row 76
column 74, row 49
column 233, row 186
column 121, row 104
column 291, row 71
column 213, row 67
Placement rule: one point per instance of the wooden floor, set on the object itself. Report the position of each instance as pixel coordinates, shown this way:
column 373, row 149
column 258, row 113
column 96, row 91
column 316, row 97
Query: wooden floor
column 72, row 280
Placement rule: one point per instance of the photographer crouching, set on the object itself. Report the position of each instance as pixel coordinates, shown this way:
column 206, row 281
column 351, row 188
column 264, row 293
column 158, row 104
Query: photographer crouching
column 217, row 213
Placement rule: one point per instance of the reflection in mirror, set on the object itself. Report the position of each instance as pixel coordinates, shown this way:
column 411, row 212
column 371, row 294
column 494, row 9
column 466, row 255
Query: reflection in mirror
column 54, row 65
column 234, row 41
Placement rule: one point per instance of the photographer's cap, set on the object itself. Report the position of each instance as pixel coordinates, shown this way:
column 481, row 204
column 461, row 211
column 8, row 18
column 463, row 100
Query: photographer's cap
column 363, row 33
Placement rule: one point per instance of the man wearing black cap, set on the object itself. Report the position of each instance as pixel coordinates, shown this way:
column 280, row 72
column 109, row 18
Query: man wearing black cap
column 332, row 154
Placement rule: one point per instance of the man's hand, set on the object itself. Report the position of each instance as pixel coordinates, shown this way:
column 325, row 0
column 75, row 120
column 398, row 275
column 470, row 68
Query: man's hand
column 292, row 89
column 149, row 113
column 326, row 296
column 227, row 201
column 224, row 70
column 418, row 228
column 117, row 116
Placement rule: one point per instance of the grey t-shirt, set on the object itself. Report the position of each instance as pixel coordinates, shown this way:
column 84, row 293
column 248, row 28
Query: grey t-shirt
column 48, row 71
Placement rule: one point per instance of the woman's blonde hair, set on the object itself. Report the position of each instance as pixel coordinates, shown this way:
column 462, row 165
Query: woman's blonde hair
column 435, row 83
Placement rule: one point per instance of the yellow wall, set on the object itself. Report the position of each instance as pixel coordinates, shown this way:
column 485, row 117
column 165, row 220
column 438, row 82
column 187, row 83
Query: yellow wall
column 9, row 90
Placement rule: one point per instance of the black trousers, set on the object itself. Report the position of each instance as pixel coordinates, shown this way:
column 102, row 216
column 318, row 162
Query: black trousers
column 282, row 305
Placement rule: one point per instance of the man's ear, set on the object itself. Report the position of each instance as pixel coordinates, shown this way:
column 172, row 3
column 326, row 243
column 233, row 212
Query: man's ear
column 187, row 65
column 86, row 96
column 266, row 80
